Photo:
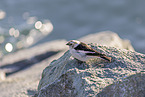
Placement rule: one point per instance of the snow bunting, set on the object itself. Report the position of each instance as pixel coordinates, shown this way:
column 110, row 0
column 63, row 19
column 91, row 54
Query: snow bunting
column 84, row 52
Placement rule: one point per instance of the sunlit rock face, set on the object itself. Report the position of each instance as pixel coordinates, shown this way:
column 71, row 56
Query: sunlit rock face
column 123, row 76
column 108, row 38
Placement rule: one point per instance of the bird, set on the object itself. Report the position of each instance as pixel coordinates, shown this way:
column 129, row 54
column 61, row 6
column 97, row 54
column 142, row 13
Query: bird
column 83, row 52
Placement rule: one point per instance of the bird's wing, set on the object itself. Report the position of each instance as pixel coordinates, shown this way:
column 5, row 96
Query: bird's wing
column 84, row 48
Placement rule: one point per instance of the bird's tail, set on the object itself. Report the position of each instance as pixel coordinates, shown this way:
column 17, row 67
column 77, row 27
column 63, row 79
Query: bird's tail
column 106, row 58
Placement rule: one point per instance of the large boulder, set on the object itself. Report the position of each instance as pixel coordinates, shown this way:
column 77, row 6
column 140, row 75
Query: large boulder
column 124, row 76
column 108, row 38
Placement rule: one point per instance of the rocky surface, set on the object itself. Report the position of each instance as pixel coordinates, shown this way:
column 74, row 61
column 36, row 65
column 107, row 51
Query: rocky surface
column 132, row 86
column 122, row 77
column 108, row 38
column 23, row 69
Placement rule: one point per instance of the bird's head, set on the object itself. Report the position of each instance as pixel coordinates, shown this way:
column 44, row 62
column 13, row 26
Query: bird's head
column 73, row 43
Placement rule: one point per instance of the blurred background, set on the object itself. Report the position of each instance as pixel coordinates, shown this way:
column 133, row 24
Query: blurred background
column 26, row 23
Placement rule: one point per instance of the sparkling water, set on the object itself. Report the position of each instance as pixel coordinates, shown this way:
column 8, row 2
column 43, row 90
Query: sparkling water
column 27, row 22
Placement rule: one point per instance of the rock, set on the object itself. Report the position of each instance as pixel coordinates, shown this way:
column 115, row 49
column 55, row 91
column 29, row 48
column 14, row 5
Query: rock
column 108, row 38
column 56, row 45
column 23, row 68
column 66, row 77
column 132, row 86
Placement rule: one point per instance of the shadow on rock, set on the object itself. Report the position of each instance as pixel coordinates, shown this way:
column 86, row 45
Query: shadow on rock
column 115, row 63
column 31, row 92
column 80, row 65
column 23, row 64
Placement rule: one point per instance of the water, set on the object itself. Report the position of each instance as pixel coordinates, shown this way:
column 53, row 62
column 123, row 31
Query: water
column 69, row 20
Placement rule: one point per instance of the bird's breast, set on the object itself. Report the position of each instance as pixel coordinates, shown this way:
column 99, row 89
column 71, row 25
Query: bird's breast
column 78, row 55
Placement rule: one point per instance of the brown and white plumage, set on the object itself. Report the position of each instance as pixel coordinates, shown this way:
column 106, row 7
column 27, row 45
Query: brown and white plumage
column 84, row 52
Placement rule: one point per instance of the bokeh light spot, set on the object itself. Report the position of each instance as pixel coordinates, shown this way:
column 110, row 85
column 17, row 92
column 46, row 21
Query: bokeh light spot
column 29, row 40
column 2, row 39
column 11, row 31
column 31, row 20
column 16, row 34
column 19, row 45
column 38, row 24
column 9, row 47
column 46, row 28
column 2, row 14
